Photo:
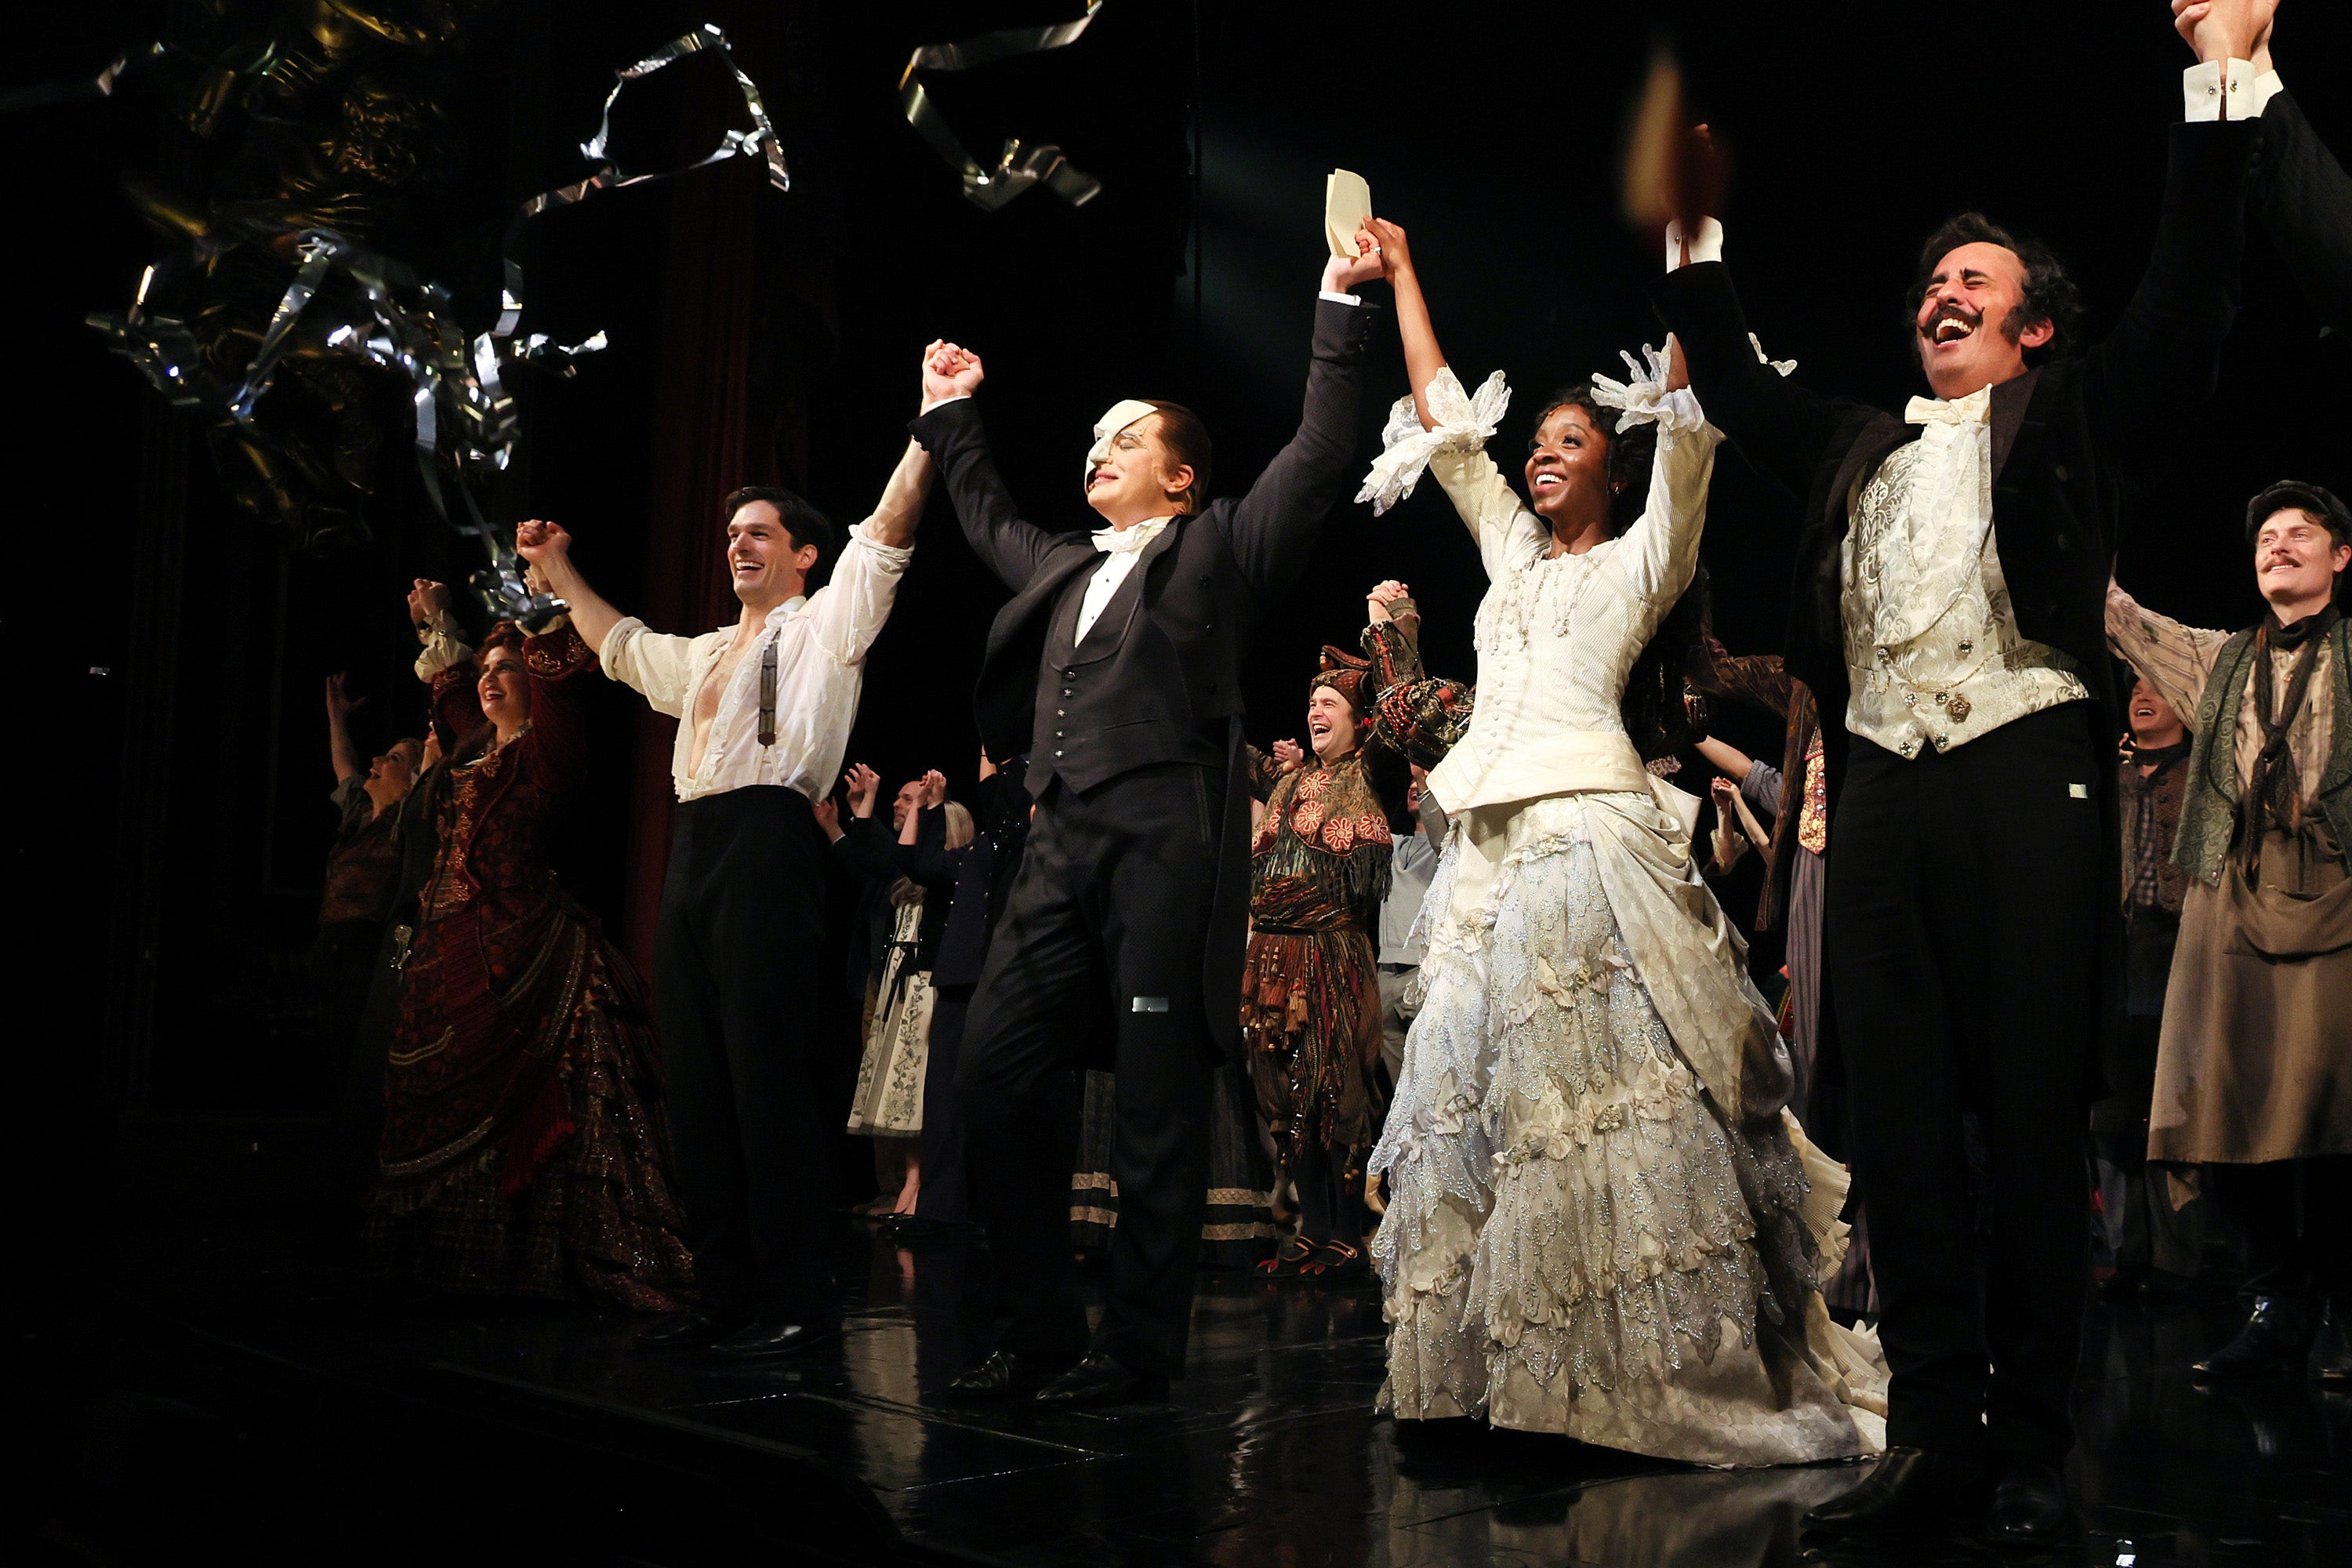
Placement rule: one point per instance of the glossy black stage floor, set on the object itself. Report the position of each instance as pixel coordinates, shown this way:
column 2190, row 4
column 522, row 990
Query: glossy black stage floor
column 269, row 1412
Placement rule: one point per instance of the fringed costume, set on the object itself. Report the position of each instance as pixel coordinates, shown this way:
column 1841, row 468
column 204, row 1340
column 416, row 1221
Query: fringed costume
column 524, row 1150
column 1311, row 1002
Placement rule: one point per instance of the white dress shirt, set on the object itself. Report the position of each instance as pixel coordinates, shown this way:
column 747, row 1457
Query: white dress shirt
column 1931, row 644
column 1121, row 548
column 821, row 641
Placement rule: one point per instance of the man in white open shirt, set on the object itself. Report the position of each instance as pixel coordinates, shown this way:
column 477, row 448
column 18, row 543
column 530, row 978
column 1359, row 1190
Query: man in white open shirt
column 764, row 709
column 1949, row 607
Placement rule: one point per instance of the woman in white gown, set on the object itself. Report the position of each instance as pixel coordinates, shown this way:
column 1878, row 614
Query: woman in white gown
column 1600, row 1221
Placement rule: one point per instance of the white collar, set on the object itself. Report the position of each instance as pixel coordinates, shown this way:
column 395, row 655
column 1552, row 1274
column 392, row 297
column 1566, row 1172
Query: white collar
column 1130, row 540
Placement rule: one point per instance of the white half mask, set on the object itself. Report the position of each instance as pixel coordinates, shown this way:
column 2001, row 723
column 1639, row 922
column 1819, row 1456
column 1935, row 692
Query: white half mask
column 1116, row 418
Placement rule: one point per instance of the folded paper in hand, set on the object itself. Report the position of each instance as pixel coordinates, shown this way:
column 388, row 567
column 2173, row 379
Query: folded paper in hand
column 1347, row 203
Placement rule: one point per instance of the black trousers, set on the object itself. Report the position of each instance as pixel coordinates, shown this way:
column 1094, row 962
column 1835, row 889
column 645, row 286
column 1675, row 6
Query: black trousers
column 2297, row 1216
column 1963, row 901
column 1113, row 896
column 742, row 926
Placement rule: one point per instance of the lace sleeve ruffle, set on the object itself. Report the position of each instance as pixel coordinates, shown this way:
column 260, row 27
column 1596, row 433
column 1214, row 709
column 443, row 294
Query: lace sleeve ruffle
column 1463, row 422
column 1644, row 399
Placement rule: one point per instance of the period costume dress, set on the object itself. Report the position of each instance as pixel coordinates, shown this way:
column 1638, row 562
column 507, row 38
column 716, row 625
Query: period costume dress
column 1598, row 1221
column 888, row 1102
column 1310, row 1004
column 524, row 1150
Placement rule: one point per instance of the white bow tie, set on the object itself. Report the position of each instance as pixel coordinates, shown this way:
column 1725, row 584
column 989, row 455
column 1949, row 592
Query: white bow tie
column 1128, row 541
column 1973, row 409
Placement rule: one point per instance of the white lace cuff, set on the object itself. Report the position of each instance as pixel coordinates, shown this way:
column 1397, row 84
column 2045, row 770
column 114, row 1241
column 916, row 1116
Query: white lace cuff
column 1463, row 423
column 1645, row 400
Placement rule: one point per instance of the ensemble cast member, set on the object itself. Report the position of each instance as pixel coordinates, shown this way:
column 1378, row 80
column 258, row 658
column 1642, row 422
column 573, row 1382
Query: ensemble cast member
column 889, row 1103
column 362, row 872
column 1310, row 1005
column 1116, row 666
column 2151, row 1246
column 1950, row 573
column 524, row 1149
column 1595, row 1220
column 2253, row 1072
column 764, row 709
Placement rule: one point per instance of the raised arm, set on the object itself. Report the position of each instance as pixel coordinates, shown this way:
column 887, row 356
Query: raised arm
column 2300, row 192
column 1782, row 427
column 2166, row 348
column 547, row 546
column 556, row 660
column 340, row 750
column 949, row 429
column 847, row 614
column 1272, row 529
column 2176, row 659
column 1423, row 358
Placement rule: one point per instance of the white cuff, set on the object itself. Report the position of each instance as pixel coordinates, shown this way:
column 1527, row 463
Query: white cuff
column 942, row 403
column 2209, row 85
column 1463, row 423
column 1339, row 298
column 2267, row 86
column 1708, row 247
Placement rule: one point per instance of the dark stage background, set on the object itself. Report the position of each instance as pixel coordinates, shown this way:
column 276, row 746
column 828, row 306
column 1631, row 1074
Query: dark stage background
column 170, row 805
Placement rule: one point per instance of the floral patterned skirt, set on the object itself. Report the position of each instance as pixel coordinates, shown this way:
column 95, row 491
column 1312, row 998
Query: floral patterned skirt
column 1575, row 1241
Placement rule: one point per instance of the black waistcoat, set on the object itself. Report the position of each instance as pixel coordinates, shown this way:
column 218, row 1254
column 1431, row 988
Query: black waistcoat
column 1115, row 698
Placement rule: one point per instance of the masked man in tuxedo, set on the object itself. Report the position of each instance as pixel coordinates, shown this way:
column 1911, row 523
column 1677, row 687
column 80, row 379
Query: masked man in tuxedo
column 1113, row 679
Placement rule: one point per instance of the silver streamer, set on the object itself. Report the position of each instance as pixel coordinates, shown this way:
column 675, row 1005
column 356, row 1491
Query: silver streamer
column 466, row 418
column 1019, row 167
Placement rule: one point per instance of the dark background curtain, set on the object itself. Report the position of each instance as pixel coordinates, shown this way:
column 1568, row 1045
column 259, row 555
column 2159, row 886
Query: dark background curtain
column 170, row 771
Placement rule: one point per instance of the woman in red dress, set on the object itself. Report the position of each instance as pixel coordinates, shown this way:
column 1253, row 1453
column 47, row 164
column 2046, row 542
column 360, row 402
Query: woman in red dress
column 525, row 1152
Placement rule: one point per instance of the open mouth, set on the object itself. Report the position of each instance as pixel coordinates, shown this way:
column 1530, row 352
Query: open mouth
column 1950, row 325
column 1099, row 476
column 1548, row 483
column 743, row 566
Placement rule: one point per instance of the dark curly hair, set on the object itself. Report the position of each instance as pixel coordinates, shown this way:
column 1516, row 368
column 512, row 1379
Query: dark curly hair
column 2049, row 295
column 1652, row 707
column 802, row 522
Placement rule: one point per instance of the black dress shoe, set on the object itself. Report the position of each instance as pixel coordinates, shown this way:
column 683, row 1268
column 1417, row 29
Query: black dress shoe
column 2271, row 1345
column 1005, row 1374
column 1914, row 1492
column 1099, row 1381
column 687, row 1328
column 2331, row 1352
column 755, row 1340
column 2029, row 1507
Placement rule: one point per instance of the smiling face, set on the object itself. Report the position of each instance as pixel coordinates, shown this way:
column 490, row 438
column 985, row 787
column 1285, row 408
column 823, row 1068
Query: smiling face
column 2153, row 721
column 2296, row 561
column 1330, row 725
column 766, row 567
column 1568, row 468
column 909, row 798
column 505, row 690
column 1967, row 324
column 391, row 772
column 1137, row 479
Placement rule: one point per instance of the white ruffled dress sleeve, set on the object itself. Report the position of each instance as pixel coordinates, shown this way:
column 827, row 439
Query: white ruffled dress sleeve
column 1659, row 554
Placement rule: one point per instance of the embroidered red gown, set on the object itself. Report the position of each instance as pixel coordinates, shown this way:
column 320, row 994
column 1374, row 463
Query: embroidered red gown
column 524, row 1151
